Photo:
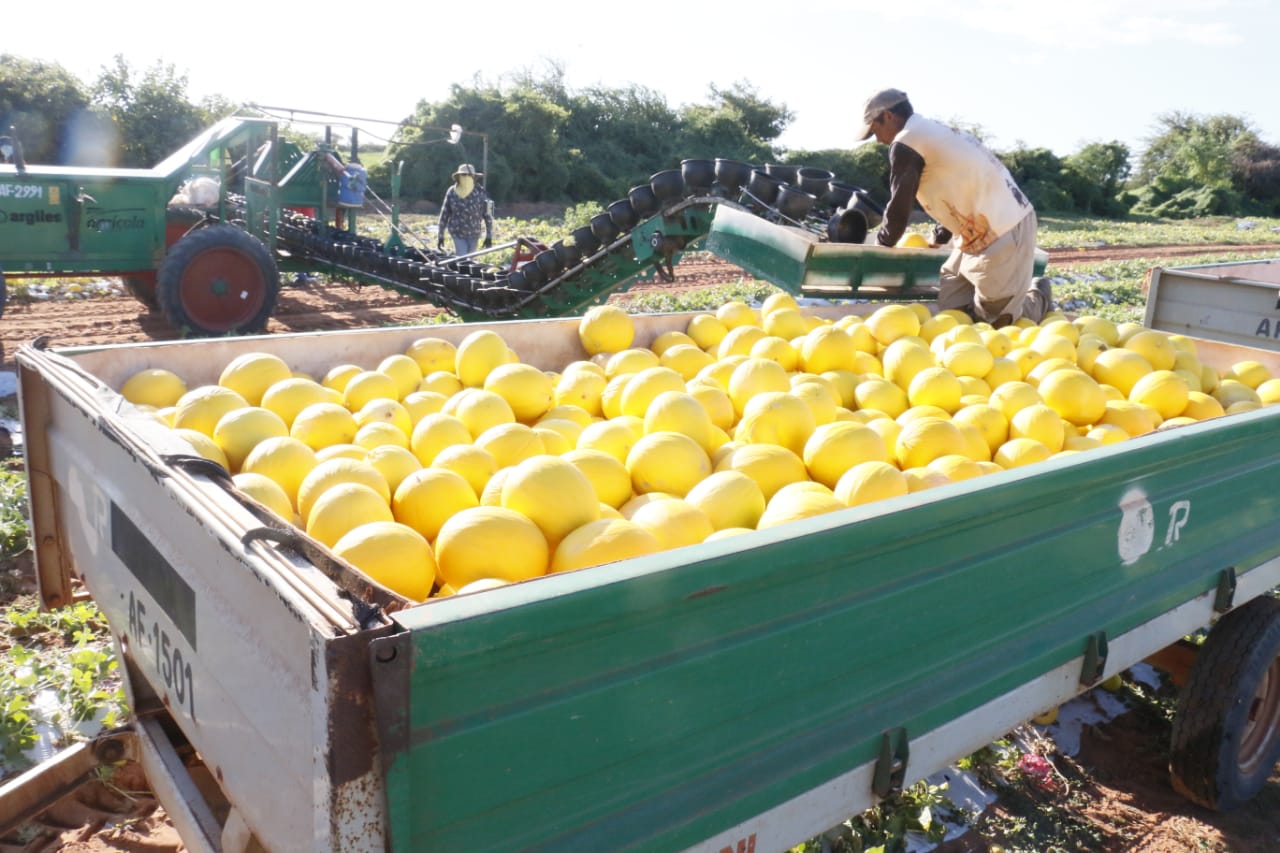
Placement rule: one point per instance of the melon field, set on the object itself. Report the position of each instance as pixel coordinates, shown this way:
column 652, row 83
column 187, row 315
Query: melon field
column 764, row 410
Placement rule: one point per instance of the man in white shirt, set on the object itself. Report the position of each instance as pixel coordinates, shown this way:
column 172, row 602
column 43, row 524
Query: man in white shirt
column 980, row 212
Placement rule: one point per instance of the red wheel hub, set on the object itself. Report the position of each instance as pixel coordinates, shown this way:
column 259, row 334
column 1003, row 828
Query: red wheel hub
column 1263, row 725
column 222, row 288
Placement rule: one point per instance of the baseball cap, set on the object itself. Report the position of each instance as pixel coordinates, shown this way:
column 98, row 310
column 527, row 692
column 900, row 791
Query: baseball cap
column 877, row 103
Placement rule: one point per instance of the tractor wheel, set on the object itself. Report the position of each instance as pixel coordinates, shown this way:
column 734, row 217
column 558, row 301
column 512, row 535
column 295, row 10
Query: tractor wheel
column 1226, row 734
column 142, row 287
column 218, row 280
column 179, row 221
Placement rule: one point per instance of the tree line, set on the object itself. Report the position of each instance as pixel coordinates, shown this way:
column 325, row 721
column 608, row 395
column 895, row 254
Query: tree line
column 546, row 142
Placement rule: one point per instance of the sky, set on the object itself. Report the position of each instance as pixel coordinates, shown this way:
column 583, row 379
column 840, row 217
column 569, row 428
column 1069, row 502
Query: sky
column 1029, row 73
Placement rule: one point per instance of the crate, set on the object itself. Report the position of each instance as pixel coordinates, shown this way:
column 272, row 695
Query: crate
column 1235, row 303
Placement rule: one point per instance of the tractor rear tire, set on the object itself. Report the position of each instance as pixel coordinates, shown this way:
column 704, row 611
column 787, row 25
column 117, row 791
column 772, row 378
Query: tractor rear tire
column 1226, row 733
column 179, row 221
column 218, row 280
column 142, row 287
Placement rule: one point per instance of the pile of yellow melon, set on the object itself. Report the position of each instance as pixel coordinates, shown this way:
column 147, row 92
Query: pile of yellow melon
column 447, row 469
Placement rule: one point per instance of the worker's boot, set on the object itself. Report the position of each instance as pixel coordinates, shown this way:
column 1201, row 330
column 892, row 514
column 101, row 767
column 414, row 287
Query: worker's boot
column 1038, row 301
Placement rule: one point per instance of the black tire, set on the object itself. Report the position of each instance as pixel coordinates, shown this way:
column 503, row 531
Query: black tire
column 218, row 280
column 1226, row 733
column 142, row 288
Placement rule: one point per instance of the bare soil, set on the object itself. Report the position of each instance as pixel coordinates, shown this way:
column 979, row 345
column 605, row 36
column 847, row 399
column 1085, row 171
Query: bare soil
column 1118, row 796
column 302, row 307
column 325, row 305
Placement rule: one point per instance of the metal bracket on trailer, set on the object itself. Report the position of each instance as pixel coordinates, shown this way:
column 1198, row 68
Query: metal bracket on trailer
column 1225, row 597
column 1095, row 658
column 891, row 766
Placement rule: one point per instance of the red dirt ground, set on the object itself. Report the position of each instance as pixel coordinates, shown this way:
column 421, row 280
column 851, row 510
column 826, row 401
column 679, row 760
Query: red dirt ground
column 315, row 307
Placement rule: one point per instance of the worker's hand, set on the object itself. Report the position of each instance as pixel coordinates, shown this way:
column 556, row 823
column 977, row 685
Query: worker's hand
column 941, row 236
column 440, row 245
column 488, row 242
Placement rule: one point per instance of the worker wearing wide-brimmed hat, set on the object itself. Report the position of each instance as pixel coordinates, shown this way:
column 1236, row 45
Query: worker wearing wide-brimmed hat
column 980, row 211
column 466, row 207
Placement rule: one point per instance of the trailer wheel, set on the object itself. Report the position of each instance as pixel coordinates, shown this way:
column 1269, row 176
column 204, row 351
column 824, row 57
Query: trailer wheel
column 1226, row 733
column 218, row 280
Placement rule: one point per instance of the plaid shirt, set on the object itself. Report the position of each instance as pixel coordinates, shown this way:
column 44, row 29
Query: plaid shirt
column 462, row 216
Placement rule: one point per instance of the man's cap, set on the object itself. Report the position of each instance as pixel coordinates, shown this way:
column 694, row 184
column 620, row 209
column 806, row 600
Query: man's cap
column 467, row 169
column 876, row 104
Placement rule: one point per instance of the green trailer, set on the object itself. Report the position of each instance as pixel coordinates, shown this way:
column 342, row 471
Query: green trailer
column 736, row 696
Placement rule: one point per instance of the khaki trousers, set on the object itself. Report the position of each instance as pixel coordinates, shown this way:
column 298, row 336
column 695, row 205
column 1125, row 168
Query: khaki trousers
column 992, row 285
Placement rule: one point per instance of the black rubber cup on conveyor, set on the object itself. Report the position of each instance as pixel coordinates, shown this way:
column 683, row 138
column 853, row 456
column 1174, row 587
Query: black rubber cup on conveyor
column 667, row 185
column 785, row 174
column 623, row 215
column 793, row 202
column 763, row 187
column 643, row 201
column 838, row 194
column 698, row 176
column 534, row 277
column 814, row 181
column 732, row 176
column 548, row 263
column 568, row 253
column 603, row 227
column 586, row 240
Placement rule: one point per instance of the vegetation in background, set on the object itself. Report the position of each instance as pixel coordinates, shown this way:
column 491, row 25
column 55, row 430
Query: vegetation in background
column 14, row 526
column 59, row 681
column 1059, row 231
column 548, row 143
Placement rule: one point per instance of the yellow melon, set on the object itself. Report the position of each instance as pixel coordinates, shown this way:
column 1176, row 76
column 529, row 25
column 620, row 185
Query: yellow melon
column 465, row 547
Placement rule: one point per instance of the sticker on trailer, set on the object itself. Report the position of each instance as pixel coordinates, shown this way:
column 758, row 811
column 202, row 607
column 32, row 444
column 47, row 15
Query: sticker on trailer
column 1137, row 531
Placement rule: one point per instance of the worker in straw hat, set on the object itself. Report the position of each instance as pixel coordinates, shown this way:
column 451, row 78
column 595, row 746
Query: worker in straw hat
column 981, row 213
column 466, row 206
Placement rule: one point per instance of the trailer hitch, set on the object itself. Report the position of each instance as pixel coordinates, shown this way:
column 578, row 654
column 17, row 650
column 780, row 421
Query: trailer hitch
column 29, row 794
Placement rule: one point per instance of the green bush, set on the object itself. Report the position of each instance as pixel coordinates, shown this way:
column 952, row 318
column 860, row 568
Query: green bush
column 14, row 526
column 1189, row 203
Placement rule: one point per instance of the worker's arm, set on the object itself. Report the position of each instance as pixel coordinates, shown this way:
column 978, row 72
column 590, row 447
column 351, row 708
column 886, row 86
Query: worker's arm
column 905, row 167
column 446, row 208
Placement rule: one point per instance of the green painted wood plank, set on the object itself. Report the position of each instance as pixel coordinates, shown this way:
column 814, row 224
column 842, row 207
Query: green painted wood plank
column 649, row 704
